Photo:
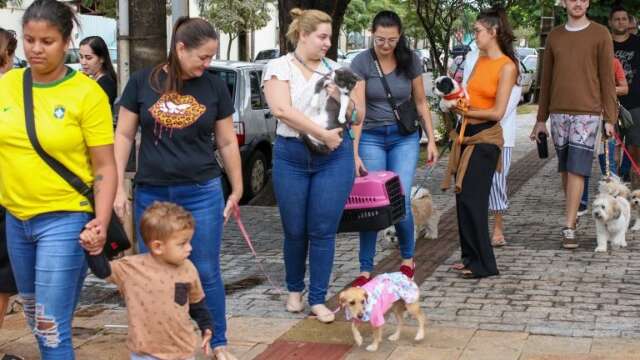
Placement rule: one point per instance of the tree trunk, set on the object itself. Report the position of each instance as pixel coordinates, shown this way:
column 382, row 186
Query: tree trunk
column 231, row 38
column 243, row 46
column 335, row 9
column 147, row 24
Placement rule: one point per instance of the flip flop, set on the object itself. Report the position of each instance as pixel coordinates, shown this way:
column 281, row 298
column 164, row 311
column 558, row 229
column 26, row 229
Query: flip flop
column 458, row 266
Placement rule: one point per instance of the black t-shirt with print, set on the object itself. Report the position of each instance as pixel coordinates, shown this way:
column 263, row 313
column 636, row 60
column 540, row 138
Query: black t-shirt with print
column 177, row 144
column 628, row 52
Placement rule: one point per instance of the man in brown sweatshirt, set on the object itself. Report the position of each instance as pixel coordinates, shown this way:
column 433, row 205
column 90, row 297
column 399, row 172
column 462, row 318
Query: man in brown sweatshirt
column 576, row 91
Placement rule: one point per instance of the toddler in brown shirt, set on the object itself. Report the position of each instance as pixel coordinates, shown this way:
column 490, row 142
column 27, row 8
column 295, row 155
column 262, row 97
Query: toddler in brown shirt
column 162, row 288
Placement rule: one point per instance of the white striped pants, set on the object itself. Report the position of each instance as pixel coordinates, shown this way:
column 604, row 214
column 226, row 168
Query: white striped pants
column 498, row 201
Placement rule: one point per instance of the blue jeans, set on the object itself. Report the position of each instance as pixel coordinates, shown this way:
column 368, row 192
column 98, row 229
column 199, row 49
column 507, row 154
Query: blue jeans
column 613, row 169
column 311, row 191
column 49, row 267
column 384, row 148
column 206, row 204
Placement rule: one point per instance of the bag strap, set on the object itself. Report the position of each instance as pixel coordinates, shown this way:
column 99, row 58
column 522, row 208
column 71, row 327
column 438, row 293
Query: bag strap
column 71, row 178
column 390, row 98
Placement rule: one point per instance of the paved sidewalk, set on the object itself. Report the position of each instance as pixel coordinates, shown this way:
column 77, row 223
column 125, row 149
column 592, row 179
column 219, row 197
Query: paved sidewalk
column 548, row 303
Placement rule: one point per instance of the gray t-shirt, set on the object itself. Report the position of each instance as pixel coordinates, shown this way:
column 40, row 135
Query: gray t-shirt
column 379, row 111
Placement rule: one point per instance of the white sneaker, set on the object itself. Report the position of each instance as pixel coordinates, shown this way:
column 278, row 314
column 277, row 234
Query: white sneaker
column 294, row 302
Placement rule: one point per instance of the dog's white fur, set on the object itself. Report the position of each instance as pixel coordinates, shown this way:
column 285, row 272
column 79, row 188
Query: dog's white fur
column 447, row 105
column 354, row 298
column 425, row 217
column 635, row 209
column 612, row 215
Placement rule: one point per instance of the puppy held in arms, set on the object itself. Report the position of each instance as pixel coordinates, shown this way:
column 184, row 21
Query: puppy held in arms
column 451, row 94
column 371, row 302
column 327, row 111
column 612, row 215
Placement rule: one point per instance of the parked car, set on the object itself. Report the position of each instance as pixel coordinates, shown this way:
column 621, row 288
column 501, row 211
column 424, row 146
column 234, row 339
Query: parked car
column 349, row 56
column 254, row 124
column 529, row 70
column 264, row 56
column 19, row 63
column 523, row 52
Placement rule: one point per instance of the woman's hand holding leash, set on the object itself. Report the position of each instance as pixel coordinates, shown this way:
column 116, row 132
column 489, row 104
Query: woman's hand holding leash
column 432, row 153
column 361, row 170
column 232, row 207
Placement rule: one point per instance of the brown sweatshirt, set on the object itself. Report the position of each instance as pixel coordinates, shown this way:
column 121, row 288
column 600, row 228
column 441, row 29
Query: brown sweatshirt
column 576, row 74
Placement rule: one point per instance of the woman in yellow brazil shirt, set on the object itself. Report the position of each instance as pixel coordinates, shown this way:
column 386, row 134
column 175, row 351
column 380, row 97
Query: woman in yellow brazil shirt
column 45, row 215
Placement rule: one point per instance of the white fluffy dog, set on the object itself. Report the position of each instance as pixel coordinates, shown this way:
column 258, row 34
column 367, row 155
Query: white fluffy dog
column 612, row 215
column 635, row 209
column 425, row 217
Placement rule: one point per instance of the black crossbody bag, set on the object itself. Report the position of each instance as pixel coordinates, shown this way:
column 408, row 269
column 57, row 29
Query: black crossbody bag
column 407, row 113
column 117, row 240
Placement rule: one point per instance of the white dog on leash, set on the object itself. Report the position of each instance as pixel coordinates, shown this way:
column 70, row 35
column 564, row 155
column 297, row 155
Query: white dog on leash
column 612, row 216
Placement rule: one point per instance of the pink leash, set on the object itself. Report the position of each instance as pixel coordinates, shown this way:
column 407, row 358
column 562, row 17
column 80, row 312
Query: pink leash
column 247, row 239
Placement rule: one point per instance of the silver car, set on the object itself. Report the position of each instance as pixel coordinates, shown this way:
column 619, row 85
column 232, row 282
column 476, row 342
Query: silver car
column 254, row 124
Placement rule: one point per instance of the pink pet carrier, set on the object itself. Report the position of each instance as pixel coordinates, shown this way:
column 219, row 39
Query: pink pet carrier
column 375, row 203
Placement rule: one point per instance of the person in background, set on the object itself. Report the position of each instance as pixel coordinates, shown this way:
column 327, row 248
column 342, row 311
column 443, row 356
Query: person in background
column 626, row 47
column 613, row 151
column 96, row 62
column 45, row 215
column 8, row 44
column 633, row 25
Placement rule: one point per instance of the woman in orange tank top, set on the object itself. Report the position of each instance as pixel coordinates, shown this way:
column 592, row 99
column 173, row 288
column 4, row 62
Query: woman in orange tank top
column 476, row 152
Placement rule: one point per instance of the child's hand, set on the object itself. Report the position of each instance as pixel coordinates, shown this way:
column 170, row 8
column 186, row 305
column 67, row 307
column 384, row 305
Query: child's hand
column 206, row 338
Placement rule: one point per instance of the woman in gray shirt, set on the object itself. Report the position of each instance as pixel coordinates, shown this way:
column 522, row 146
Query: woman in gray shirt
column 378, row 143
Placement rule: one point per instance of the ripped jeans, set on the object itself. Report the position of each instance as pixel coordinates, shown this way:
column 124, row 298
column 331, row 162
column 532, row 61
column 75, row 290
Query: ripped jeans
column 49, row 266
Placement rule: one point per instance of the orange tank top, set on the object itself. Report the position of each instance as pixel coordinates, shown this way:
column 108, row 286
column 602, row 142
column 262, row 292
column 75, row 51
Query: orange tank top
column 483, row 84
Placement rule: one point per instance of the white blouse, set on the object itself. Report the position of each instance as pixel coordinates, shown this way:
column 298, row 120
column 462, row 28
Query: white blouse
column 300, row 89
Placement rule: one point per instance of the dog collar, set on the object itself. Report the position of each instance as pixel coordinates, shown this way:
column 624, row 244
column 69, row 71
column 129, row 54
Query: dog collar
column 454, row 95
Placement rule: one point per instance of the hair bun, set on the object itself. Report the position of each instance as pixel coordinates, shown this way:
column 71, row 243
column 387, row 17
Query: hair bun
column 296, row 12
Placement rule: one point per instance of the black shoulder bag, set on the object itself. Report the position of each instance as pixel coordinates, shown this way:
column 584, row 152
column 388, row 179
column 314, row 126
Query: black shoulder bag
column 117, row 240
column 407, row 113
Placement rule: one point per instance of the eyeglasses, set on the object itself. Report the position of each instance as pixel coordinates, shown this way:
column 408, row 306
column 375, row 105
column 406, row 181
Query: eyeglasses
column 380, row 41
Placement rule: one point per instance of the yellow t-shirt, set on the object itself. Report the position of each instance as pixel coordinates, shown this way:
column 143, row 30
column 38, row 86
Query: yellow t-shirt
column 71, row 115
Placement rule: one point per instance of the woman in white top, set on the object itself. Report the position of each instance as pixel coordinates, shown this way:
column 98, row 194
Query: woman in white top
column 311, row 189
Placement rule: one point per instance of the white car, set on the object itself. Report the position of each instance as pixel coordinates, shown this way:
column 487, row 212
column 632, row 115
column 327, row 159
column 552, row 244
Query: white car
column 528, row 76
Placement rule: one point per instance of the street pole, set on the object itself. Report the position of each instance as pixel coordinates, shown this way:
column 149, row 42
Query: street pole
column 123, row 44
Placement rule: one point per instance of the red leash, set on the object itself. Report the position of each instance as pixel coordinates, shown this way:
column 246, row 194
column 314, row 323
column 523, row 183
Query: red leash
column 634, row 164
column 247, row 239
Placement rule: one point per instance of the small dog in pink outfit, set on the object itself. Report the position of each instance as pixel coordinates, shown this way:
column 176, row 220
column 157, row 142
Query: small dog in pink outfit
column 371, row 302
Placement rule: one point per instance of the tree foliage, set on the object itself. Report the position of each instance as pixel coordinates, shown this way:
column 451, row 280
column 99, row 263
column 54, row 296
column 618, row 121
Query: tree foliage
column 235, row 16
column 437, row 18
